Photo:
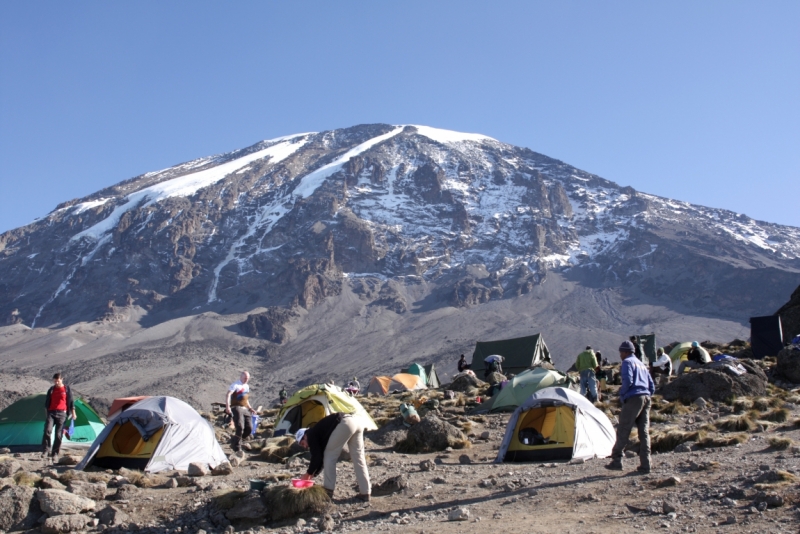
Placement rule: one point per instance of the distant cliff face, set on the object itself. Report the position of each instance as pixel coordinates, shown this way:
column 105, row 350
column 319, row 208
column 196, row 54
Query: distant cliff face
column 284, row 224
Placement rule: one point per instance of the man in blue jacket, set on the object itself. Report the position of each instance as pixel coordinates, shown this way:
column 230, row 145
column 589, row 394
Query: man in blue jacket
column 635, row 392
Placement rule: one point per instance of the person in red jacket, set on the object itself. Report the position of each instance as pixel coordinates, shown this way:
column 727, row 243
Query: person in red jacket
column 58, row 404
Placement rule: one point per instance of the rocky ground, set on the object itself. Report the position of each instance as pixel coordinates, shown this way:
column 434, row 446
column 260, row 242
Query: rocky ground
column 720, row 466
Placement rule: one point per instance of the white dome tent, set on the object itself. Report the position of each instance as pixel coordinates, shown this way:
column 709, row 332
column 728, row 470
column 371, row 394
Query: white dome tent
column 556, row 423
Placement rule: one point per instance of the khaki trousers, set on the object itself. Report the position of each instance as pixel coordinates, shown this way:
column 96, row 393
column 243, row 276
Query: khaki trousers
column 350, row 432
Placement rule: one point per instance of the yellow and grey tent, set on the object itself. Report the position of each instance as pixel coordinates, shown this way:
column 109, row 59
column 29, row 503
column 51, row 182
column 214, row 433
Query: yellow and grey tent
column 310, row 404
column 556, row 424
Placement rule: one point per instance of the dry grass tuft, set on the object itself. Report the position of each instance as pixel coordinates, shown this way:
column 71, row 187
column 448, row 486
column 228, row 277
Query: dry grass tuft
column 382, row 421
column 778, row 415
column 479, row 419
column 667, row 441
column 69, row 475
column 285, row 502
column 227, row 498
column 275, row 454
column 722, row 441
column 742, row 405
column 656, row 417
column 674, row 408
column 467, row 427
column 762, row 404
column 780, row 444
column 22, row 478
column 736, row 424
column 781, row 478
column 794, row 399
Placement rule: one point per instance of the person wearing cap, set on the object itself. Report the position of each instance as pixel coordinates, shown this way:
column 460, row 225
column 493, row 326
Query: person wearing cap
column 635, row 393
column 586, row 364
column 58, row 403
column 662, row 366
column 695, row 358
column 325, row 441
column 237, row 405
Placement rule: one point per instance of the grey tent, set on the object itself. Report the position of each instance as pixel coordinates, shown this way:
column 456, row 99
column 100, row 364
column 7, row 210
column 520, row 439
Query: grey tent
column 518, row 353
column 766, row 335
column 433, row 378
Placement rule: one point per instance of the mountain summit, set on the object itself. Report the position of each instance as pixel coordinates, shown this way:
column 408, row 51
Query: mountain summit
column 408, row 219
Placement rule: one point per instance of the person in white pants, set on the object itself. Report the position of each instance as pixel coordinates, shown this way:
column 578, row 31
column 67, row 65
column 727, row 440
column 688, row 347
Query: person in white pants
column 326, row 440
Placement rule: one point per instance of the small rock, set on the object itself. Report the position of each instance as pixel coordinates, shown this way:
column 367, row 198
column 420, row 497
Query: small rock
column 183, row 481
column 112, row 516
column 701, row 403
column 90, row 490
column 51, row 483
column 326, row 523
column 439, row 480
column 127, row 492
column 509, row 487
column 671, row 481
column 459, row 514
column 196, row 469
column 464, row 459
column 533, row 492
column 427, row 465
column 9, row 467
column 683, row 447
column 486, row 434
column 727, row 501
column 668, row 508
column 223, row 469
column 762, row 506
column 630, row 454
column 300, row 523
column 731, row 520
column 69, row 459
column 171, row 483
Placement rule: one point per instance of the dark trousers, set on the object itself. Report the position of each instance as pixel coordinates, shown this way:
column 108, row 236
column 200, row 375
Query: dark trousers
column 56, row 419
column 242, row 424
column 635, row 412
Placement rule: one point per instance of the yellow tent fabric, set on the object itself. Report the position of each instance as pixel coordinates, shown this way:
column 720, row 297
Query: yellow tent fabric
column 679, row 352
column 555, row 423
column 315, row 402
column 125, row 441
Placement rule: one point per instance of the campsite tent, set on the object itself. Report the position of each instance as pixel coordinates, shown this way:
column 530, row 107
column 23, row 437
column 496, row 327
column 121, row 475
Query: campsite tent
column 383, row 385
column 521, row 387
column 22, row 423
column 312, row 403
column 519, row 353
column 647, row 344
column 766, row 336
column 155, row 434
column 433, row 377
column 558, row 424
column 417, row 369
column 122, row 403
column 678, row 353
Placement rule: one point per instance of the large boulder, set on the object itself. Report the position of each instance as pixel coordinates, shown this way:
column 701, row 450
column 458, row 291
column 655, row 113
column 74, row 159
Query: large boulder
column 392, row 485
column 91, row 490
column 19, row 510
column 8, row 467
column 466, row 383
column 58, row 502
column 251, row 506
column 789, row 365
column 389, row 434
column 65, row 523
column 432, row 434
column 713, row 385
column 113, row 516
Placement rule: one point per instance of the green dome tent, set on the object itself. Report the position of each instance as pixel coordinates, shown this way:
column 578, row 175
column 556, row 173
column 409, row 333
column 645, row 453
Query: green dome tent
column 22, row 423
column 417, row 369
column 521, row 387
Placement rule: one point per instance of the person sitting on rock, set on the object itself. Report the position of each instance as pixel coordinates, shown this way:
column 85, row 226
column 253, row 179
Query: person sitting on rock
column 326, row 440
column 695, row 358
column 662, row 366
column 462, row 364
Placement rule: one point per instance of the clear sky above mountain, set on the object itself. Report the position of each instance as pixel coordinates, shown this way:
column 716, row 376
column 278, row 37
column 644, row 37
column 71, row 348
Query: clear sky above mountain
column 696, row 101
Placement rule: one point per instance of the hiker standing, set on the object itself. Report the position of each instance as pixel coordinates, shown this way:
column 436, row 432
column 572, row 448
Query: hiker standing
column 586, row 364
column 694, row 359
column 325, row 440
column 58, row 403
column 662, row 366
column 635, row 392
column 462, row 364
column 283, row 395
column 237, row 404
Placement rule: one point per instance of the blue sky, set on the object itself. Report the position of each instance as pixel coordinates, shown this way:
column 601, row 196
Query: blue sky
column 692, row 100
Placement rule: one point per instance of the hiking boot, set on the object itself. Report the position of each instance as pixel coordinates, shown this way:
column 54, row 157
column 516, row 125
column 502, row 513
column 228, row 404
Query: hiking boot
column 644, row 469
column 615, row 465
column 362, row 497
column 329, row 492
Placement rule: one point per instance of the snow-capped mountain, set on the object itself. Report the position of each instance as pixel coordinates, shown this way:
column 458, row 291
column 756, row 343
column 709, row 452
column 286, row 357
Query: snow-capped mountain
column 285, row 223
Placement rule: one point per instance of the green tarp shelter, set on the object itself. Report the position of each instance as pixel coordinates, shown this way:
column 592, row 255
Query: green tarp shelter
column 519, row 353
column 433, row 376
column 22, row 423
column 647, row 344
column 522, row 386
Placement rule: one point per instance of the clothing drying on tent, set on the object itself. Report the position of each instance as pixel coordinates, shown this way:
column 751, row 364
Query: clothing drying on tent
column 22, row 423
column 383, row 385
column 312, row 403
column 519, row 353
column 517, row 390
column 155, row 434
column 121, row 404
column 556, row 424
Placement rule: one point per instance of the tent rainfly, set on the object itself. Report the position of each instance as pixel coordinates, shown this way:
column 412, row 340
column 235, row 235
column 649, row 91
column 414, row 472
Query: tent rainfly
column 417, row 369
column 122, row 403
column 521, row 387
column 766, row 336
column 556, row 424
column 383, row 385
column 433, row 377
column 22, row 423
column 155, row 434
column 312, row 403
column 519, row 353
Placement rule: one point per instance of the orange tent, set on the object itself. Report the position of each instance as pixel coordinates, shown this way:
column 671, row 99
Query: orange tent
column 121, row 404
column 382, row 385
